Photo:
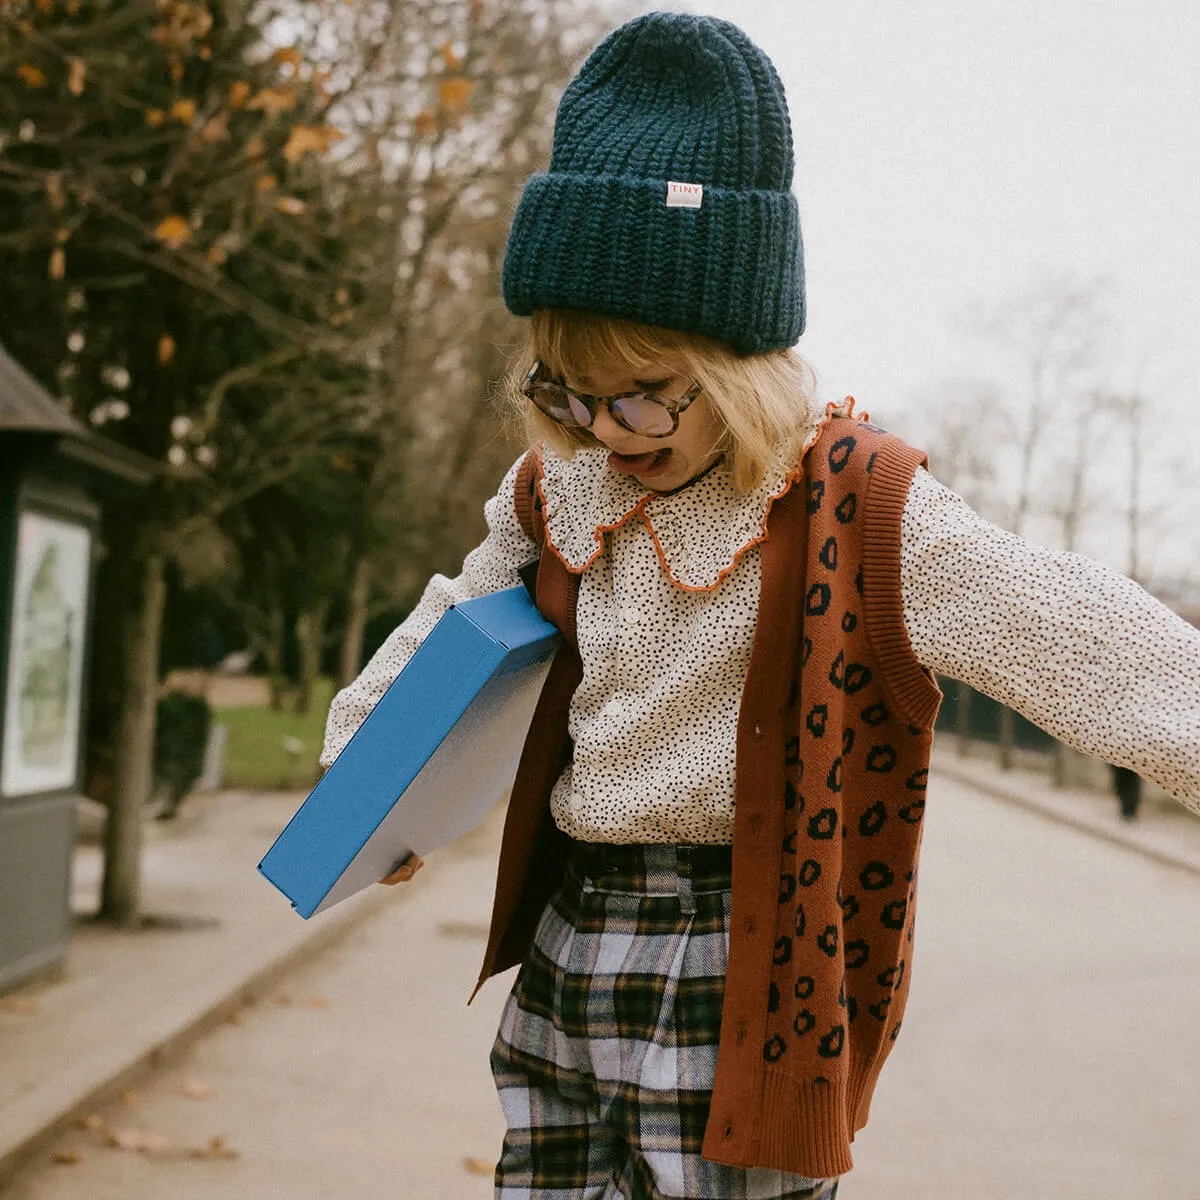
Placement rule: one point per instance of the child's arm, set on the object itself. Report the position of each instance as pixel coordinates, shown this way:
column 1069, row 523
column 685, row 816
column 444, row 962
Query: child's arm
column 1073, row 646
column 491, row 566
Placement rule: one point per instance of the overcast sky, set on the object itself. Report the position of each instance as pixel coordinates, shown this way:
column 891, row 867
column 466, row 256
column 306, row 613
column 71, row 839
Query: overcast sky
column 947, row 152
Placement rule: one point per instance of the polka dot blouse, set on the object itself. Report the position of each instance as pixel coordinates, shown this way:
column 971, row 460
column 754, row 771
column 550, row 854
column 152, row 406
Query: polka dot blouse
column 668, row 600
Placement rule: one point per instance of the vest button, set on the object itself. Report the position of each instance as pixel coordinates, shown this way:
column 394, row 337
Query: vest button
column 758, row 729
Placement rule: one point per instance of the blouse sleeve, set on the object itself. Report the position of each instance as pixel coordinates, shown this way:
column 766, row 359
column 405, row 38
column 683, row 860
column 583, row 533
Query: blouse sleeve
column 490, row 567
column 1075, row 647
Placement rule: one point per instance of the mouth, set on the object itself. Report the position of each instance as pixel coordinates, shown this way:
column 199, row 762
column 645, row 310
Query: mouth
column 643, row 465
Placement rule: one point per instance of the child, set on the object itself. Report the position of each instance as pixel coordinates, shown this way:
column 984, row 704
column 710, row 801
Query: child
column 709, row 862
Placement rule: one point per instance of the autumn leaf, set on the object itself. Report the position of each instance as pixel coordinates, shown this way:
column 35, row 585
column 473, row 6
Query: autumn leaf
column 58, row 263
column 76, row 76
column 255, row 148
column 452, row 60
column 426, row 122
column 291, row 205
column 273, row 101
column 455, row 94
column 239, row 93
column 265, row 183
column 24, row 1005
column 217, row 254
column 217, row 1148
column 184, row 111
column 166, row 349
column 288, row 56
column 173, row 231
column 310, row 139
column 216, row 129
column 31, row 76
column 155, row 117
column 138, row 1141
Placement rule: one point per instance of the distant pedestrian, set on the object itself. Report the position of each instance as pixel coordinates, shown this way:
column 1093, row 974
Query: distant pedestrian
column 1128, row 786
column 710, row 860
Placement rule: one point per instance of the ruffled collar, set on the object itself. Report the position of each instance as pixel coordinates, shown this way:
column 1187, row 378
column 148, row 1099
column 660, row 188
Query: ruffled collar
column 699, row 531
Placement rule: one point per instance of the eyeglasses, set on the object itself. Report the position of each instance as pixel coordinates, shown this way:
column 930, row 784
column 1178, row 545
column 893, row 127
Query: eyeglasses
column 643, row 413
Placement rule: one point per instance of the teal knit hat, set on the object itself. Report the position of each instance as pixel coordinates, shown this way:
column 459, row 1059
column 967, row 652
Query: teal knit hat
column 668, row 198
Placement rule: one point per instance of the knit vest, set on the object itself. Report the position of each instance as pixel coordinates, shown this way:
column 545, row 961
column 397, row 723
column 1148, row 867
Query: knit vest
column 833, row 745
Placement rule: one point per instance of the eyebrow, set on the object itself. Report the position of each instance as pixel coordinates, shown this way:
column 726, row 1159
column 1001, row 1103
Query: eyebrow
column 650, row 384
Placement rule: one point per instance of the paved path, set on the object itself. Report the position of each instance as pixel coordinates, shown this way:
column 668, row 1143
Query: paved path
column 1051, row 1051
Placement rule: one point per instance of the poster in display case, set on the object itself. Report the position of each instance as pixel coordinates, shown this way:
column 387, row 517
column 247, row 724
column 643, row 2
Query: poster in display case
column 44, row 685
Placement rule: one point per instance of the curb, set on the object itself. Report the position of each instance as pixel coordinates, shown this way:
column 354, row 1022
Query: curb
column 24, row 1147
column 1113, row 836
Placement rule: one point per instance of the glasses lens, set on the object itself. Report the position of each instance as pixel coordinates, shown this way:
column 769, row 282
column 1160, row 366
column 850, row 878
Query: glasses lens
column 555, row 402
column 643, row 414
column 579, row 410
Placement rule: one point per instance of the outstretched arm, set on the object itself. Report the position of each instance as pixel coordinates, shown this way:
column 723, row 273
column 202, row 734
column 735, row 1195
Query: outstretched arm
column 1073, row 646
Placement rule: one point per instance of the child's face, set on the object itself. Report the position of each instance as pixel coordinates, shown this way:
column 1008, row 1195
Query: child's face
column 661, row 463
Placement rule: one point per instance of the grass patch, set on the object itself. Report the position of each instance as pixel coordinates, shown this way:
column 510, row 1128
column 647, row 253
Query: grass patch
column 257, row 754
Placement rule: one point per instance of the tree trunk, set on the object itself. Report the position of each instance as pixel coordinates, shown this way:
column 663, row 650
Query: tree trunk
column 273, row 651
column 1007, row 737
column 133, row 767
column 350, row 662
column 310, row 634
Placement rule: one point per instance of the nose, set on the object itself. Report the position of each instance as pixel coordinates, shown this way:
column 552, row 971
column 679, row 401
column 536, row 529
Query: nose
column 606, row 430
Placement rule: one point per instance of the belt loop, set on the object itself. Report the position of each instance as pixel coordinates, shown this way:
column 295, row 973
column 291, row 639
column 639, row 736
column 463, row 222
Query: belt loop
column 683, row 868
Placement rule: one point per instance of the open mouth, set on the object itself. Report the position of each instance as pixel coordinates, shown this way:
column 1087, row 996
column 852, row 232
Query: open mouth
column 653, row 463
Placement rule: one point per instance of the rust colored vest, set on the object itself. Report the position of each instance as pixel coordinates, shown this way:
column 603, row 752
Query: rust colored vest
column 833, row 745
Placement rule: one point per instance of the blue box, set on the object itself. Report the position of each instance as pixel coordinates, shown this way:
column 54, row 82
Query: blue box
column 431, row 759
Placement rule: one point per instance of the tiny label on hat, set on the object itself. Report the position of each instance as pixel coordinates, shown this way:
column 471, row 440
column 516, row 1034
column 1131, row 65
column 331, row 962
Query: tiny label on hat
column 684, row 195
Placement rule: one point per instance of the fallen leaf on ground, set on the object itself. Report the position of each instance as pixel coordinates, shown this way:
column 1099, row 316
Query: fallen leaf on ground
column 217, row 1148
column 92, row 1122
column 23, row 1005
column 139, row 1141
column 479, row 1166
column 196, row 1089
column 66, row 1158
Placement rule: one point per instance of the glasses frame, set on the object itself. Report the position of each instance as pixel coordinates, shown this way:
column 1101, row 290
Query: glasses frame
column 592, row 403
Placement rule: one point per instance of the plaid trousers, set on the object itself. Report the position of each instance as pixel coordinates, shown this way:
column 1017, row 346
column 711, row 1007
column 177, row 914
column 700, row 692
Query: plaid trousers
column 607, row 1047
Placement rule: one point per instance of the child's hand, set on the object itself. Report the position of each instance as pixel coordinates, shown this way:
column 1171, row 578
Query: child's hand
column 405, row 871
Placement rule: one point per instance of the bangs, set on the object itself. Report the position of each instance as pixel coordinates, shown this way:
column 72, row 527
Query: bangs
column 578, row 344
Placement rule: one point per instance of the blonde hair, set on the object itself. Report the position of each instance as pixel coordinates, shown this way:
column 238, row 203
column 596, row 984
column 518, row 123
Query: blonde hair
column 764, row 403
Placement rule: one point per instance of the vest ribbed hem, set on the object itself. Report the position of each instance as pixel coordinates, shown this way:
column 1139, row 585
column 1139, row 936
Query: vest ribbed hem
column 912, row 688
column 807, row 1126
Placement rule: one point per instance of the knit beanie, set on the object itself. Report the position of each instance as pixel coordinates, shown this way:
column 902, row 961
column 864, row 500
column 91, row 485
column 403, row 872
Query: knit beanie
column 668, row 198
